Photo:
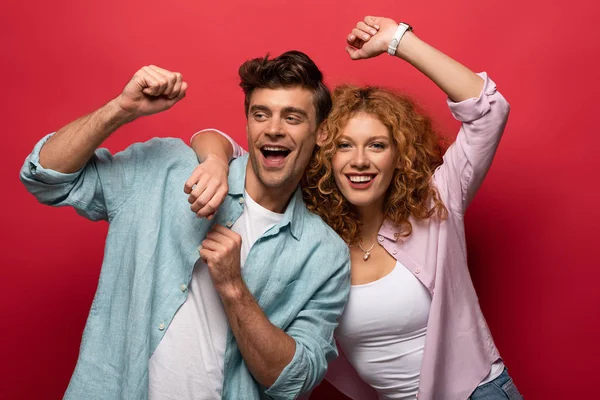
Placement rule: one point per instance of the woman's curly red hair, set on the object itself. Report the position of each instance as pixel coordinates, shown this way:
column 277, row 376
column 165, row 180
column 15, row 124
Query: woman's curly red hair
column 420, row 149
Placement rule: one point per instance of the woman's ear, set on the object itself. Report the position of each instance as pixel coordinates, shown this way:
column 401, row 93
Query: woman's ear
column 321, row 136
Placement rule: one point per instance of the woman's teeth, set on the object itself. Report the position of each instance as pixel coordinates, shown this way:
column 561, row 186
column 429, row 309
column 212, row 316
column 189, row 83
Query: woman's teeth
column 360, row 178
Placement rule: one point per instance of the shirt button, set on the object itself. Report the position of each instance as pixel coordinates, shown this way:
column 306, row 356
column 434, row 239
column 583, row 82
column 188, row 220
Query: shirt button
column 380, row 238
column 183, row 287
column 418, row 270
column 241, row 200
column 161, row 327
column 395, row 252
column 229, row 224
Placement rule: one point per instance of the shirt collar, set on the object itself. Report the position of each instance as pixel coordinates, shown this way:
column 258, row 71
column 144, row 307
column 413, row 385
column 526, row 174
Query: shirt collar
column 237, row 175
column 389, row 231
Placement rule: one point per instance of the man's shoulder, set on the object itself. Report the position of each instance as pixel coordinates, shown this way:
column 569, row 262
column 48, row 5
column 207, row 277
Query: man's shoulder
column 160, row 153
column 163, row 147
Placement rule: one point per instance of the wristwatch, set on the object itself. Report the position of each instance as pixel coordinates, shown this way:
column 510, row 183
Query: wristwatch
column 400, row 31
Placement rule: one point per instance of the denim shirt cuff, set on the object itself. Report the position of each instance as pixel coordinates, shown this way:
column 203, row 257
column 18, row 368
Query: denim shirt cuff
column 35, row 171
column 290, row 382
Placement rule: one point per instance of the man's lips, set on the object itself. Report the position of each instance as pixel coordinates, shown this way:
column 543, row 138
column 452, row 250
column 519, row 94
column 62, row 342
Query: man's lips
column 274, row 155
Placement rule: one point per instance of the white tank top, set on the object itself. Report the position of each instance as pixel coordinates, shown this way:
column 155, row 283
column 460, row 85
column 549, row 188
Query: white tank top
column 382, row 333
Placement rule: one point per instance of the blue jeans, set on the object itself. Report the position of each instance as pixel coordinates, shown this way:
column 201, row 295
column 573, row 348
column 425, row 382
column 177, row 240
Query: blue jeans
column 501, row 388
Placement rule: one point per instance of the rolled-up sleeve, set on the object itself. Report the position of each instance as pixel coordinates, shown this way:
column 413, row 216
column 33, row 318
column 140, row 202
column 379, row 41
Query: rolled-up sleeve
column 97, row 190
column 78, row 189
column 313, row 332
column 468, row 159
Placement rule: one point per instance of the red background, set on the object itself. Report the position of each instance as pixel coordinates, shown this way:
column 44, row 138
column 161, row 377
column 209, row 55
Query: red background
column 532, row 229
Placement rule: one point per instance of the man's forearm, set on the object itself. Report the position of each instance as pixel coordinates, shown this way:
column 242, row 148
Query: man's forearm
column 266, row 349
column 73, row 145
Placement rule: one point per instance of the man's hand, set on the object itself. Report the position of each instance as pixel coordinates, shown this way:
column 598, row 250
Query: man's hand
column 207, row 186
column 221, row 252
column 151, row 90
column 371, row 37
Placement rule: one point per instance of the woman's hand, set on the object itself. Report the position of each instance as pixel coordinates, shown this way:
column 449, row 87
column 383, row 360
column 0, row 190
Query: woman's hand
column 371, row 37
column 207, row 186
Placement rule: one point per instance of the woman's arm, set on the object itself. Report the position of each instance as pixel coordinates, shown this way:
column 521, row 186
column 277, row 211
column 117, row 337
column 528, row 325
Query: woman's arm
column 473, row 100
column 372, row 36
column 207, row 185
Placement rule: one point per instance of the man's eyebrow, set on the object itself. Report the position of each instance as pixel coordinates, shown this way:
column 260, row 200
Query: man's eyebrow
column 285, row 110
column 259, row 107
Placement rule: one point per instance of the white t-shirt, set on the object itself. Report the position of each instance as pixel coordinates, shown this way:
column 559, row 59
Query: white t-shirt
column 188, row 362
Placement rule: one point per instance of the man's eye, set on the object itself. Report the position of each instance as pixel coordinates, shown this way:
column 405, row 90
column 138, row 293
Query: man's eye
column 259, row 116
column 292, row 119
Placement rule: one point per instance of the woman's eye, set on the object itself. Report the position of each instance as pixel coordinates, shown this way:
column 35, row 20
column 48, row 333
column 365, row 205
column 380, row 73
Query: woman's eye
column 378, row 145
column 343, row 145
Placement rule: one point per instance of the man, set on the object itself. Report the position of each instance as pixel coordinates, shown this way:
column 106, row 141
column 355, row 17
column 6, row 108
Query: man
column 254, row 316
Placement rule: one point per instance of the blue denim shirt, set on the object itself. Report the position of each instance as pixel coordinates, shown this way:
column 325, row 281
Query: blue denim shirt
column 298, row 271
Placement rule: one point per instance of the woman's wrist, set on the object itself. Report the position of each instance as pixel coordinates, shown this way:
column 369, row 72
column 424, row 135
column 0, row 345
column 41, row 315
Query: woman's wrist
column 406, row 45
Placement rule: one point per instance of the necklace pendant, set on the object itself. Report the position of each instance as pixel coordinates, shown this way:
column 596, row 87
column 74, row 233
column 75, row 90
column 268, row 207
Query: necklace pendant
column 367, row 255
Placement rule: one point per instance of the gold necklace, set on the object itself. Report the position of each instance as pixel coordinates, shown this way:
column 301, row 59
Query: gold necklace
column 367, row 253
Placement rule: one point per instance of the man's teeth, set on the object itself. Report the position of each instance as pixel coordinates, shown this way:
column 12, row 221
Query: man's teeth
column 270, row 148
column 360, row 179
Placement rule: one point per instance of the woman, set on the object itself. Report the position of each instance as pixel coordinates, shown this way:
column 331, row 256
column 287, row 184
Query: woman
column 412, row 326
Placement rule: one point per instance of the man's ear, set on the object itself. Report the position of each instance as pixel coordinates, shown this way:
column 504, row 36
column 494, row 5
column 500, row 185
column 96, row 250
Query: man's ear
column 321, row 136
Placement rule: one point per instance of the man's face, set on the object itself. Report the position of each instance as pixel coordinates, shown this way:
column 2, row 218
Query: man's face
column 281, row 135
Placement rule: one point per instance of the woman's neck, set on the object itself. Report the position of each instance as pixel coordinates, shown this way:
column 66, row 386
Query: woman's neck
column 371, row 218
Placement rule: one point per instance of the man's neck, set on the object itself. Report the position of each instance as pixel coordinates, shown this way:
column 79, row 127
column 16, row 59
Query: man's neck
column 273, row 199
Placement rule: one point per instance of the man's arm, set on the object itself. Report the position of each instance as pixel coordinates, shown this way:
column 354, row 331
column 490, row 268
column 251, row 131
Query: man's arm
column 287, row 362
column 266, row 348
column 64, row 170
column 150, row 91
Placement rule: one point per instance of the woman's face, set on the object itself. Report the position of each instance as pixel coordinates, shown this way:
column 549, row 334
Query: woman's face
column 364, row 162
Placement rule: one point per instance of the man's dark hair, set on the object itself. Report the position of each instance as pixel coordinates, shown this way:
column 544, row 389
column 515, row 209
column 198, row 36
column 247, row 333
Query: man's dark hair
column 292, row 68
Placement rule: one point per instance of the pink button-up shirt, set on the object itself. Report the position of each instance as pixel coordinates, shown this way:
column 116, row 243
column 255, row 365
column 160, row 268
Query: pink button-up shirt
column 459, row 349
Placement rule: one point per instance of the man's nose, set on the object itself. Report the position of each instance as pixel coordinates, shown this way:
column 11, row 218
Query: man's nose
column 275, row 128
